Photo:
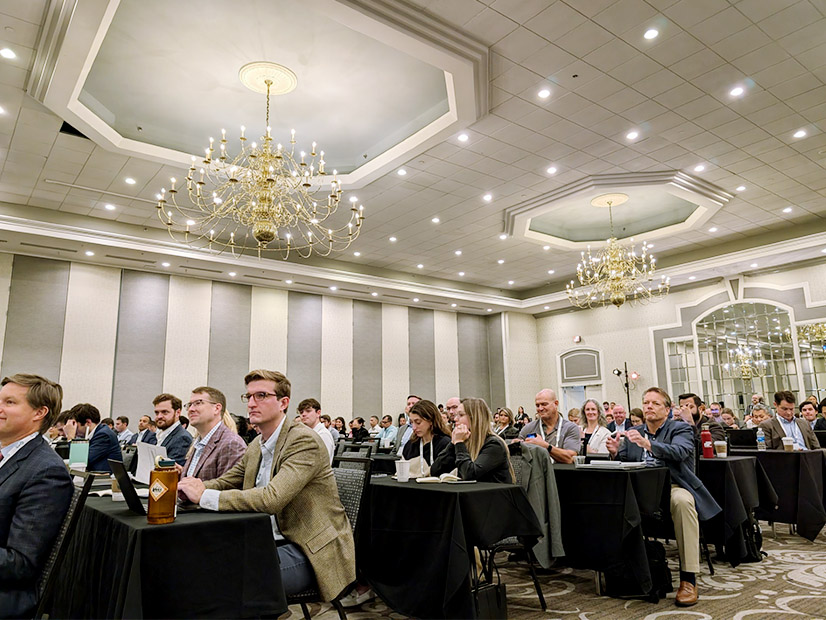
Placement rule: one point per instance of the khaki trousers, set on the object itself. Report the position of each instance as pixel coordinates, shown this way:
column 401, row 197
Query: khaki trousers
column 686, row 528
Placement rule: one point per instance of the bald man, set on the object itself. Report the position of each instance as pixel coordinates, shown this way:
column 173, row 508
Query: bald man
column 452, row 406
column 559, row 437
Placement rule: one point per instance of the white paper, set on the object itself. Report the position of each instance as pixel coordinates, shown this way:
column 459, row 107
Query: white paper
column 146, row 460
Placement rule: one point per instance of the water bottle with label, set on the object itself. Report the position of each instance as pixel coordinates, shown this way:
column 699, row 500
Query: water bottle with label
column 761, row 439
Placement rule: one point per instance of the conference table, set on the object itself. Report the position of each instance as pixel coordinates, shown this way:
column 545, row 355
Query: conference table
column 602, row 517
column 740, row 485
column 416, row 543
column 384, row 463
column 204, row 565
column 798, row 478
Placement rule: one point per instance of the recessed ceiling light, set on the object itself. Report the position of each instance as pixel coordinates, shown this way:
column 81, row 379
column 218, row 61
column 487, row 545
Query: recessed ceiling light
column 753, row 265
column 510, row 282
column 787, row 210
column 501, row 261
column 692, row 277
column 458, row 252
column 452, row 305
column 487, row 197
column 374, row 294
column 490, row 309
column 232, row 274
column 463, row 137
column 419, row 266
column 415, row 299
column 546, row 247
column 288, row 281
column 632, row 135
column 435, row 220
column 109, row 207
column 461, row 273
column 800, row 133
column 89, row 253
column 551, row 170
column 503, row 236
column 544, row 93
column 651, row 33
column 736, row 91
column 699, row 168
column 130, row 181
column 7, row 53
column 547, row 307
column 551, row 272
column 164, row 264
column 333, row 288
column 712, row 229
column 740, row 188
column 401, row 172
column 392, row 240
column 356, row 253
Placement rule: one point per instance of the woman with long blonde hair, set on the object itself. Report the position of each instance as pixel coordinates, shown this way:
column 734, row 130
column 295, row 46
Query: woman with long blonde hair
column 475, row 450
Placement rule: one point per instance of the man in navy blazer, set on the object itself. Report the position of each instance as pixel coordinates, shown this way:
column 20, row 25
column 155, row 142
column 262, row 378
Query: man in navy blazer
column 664, row 441
column 144, row 434
column 171, row 435
column 103, row 443
column 35, row 489
column 620, row 422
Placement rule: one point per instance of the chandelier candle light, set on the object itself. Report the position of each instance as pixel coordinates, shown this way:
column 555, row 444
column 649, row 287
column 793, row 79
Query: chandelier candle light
column 267, row 199
column 615, row 274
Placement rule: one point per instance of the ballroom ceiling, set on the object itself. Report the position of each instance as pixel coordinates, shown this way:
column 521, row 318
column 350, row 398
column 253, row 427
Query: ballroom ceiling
column 729, row 92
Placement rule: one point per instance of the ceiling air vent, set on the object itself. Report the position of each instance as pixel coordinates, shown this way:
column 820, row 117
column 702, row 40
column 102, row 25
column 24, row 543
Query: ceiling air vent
column 71, row 131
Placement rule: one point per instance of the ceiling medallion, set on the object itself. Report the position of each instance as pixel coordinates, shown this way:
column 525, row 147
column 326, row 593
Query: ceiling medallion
column 266, row 199
column 615, row 274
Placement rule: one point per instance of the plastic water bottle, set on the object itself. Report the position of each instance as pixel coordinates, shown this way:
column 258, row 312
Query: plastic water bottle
column 761, row 439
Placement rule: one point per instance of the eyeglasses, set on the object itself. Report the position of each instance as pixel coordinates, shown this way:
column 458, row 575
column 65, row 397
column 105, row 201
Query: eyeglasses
column 198, row 403
column 257, row 396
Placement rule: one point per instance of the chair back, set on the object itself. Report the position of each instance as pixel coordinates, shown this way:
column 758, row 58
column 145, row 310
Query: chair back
column 352, row 485
column 821, row 438
column 45, row 584
column 350, row 448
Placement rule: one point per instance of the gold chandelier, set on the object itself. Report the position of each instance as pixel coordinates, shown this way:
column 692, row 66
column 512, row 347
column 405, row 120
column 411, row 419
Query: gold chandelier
column 811, row 332
column 616, row 274
column 748, row 363
column 266, row 199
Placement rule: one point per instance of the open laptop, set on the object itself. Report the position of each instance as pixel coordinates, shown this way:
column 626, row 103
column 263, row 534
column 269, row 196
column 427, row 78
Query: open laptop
column 127, row 488
column 742, row 437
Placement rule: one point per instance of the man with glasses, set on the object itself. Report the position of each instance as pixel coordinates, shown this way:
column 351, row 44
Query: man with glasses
column 784, row 424
column 286, row 473
column 217, row 447
column 171, row 435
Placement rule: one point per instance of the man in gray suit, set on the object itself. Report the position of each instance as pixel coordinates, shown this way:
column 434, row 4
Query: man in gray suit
column 35, row 489
column 784, row 424
column 405, row 430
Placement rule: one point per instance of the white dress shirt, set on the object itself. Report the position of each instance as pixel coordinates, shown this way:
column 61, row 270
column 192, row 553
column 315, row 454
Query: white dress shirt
column 11, row 449
column 793, row 430
column 161, row 434
column 327, row 438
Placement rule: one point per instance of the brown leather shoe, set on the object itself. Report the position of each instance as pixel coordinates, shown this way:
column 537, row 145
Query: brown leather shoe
column 686, row 594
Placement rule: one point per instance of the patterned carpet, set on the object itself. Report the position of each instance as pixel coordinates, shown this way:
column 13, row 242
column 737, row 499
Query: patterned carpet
column 789, row 583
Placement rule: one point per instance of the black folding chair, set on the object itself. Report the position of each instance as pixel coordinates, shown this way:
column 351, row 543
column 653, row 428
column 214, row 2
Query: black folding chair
column 350, row 448
column 45, row 584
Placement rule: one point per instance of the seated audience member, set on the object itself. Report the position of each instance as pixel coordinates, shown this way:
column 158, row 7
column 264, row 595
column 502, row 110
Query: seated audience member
column 784, row 424
column 340, row 426
column 729, row 419
column 689, row 413
column 405, row 429
column 57, row 432
column 715, row 413
column 359, row 433
column 809, row 413
column 35, row 489
column 476, row 451
column 594, row 428
column 636, row 417
column 559, row 437
column 145, row 433
column 429, row 435
column 122, row 429
column 217, row 447
column 402, row 420
column 328, row 424
column 171, row 435
column 154, row 428
column 813, row 399
column 374, row 429
column 244, row 429
column 505, row 429
column 108, row 422
column 620, row 422
column 664, row 441
column 310, row 413
column 451, row 407
column 286, row 473
column 103, row 443
column 609, row 417
column 573, row 415
column 759, row 414
column 387, row 434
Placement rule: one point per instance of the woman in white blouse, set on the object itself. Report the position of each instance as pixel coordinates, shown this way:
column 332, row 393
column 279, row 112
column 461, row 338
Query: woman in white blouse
column 595, row 428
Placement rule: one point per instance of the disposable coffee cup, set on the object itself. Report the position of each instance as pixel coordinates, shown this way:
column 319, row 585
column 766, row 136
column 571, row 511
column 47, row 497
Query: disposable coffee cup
column 788, row 444
column 402, row 471
column 721, row 449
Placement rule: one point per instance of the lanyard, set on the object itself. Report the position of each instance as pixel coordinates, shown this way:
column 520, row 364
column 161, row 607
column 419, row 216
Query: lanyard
column 558, row 431
column 421, row 451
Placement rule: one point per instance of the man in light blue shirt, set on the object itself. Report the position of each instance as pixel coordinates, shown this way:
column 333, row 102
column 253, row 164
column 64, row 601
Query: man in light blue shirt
column 387, row 434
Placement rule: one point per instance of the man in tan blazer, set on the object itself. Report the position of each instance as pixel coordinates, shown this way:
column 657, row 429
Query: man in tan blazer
column 786, row 425
column 286, row 472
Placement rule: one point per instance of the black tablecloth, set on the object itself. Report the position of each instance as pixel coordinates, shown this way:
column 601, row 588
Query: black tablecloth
column 204, row 565
column 602, row 516
column 740, row 485
column 384, row 463
column 798, row 479
column 418, row 541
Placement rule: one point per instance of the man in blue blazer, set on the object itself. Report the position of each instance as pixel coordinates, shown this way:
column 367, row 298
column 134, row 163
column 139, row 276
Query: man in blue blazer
column 664, row 441
column 35, row 489
column 103, row 443
column 621, row 422
column 171, row 435
column 144, row 434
